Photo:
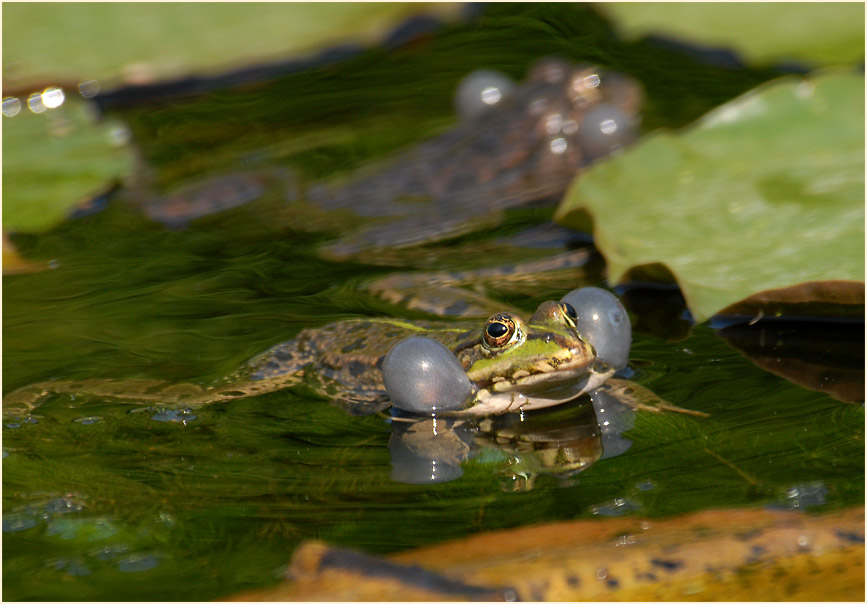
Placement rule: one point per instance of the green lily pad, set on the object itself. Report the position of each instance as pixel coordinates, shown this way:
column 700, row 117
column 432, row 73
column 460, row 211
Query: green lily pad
column 820, row 33
column 138, row 42
column 762, row 195
column 56, row 159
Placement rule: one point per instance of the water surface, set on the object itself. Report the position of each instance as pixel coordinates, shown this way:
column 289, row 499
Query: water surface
column 103, row 500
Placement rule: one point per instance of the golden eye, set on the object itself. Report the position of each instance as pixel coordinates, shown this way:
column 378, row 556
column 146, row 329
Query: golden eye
column 500, row 331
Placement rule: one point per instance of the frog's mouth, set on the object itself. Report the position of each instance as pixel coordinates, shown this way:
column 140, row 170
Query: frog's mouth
column 537, row 391
column 538, row 383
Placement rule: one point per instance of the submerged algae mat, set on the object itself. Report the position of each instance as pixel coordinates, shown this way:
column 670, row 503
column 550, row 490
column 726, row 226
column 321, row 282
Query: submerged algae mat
column 722, row 555
column 107, row 501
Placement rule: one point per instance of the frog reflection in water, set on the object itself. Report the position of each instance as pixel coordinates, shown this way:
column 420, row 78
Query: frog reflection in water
column 565, row 349
column 520, row 153
column 560, row 443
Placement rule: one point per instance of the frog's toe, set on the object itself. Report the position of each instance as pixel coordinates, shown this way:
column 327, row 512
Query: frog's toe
column 423, row 376
column 604, row 322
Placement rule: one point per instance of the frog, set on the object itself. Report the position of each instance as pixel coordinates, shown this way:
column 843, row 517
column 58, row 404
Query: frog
column 421, row 367
column 457, row 214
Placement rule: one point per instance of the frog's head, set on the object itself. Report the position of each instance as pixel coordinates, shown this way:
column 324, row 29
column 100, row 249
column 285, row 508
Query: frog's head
column 510, row 364
column 533, row 364
column 511, row 352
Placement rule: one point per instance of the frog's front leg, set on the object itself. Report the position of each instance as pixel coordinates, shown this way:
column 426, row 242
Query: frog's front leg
column 462, row 293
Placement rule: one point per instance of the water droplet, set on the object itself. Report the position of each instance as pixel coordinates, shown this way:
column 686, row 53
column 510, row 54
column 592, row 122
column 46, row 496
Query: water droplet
column 53, row 97
column 110, row 552
column 553, row 123
column 135, row 563
column 608, row 127
column 119, row 136
column 11, row 106
column 618, row 507
column 806, row 495
column 592, row 81
column 181, row 416
column 558, row 146
column 62, row 505
column 34, row 102
column 491, row 95
column 88, row 88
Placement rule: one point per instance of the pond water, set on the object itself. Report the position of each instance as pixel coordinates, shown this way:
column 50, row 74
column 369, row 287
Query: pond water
column 104, row 500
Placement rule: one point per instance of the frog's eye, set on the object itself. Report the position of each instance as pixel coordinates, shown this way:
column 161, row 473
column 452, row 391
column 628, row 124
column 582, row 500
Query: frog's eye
column 569, row 313
column 501, row 331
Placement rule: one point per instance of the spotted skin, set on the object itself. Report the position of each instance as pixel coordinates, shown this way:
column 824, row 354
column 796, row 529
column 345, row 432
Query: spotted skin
column 405, row 212
column 343, row 362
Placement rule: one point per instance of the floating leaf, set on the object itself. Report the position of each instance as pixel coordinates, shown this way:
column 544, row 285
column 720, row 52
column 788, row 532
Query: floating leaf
column 715, row 555
column 14, row 264
column 763, row 32
column 138, row 42
column 764, row 193
column 56, row 159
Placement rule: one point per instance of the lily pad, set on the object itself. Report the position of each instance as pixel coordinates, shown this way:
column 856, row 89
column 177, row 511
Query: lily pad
column 819, row 33
column 14, row 264
column 713, row 555
column 763, row 193
column 137, row 42
column 56, row 159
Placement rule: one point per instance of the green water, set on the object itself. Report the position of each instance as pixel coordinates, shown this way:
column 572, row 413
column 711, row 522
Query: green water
column 109, row 501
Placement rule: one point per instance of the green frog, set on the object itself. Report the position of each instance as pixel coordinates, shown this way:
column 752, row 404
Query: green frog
column 505, row 364
column 460, row 212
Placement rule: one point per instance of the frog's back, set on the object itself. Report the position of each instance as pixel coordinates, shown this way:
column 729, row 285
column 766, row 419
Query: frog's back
column 525, row 150
column 343, row 360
